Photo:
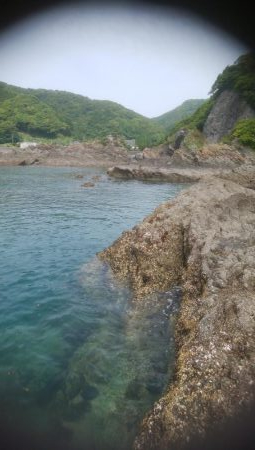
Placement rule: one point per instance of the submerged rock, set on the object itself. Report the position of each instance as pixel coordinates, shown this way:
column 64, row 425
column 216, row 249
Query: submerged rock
column 122, row 367
column 88, row 184
column 205, row 241
column 96, row 177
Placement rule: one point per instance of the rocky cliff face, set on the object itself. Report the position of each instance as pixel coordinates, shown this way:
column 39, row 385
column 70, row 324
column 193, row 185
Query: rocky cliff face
column 228, row 109
column 204, row 240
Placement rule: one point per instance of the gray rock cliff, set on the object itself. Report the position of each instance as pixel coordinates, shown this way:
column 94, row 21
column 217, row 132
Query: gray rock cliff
column 228, row 109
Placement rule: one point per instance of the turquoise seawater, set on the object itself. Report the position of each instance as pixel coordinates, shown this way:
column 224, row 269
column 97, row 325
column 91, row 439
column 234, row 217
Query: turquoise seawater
column 79, row 366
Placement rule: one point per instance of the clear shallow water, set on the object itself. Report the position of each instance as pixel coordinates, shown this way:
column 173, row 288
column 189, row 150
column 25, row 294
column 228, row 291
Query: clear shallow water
column 78, row 366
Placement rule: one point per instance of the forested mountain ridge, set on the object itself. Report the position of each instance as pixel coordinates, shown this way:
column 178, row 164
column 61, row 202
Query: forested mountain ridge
column 47, row 114
column 186, row 109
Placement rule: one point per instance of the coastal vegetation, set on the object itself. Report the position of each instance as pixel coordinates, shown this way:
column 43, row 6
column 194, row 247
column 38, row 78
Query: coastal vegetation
column 56, row 115
column 64, row 117
column 244, row 131
column 197, row 119
column 239, row 78
column 26, row 114
column 185, row 110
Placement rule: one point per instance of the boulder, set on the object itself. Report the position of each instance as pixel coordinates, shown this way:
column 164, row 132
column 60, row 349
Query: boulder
column 179, row 137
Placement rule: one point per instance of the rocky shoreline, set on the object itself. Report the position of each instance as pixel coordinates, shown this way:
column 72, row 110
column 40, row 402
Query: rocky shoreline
column 243, row 175
column 93, row 154
column 204, row 241
column 144, row 173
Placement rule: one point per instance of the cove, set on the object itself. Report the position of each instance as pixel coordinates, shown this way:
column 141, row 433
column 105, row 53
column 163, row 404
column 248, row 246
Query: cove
column 79, row 364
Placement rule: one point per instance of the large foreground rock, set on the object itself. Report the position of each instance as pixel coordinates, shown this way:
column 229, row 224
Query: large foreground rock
column 203, row 240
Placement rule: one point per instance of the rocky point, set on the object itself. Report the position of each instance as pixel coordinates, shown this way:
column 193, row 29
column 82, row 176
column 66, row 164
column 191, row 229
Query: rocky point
column 203, row 241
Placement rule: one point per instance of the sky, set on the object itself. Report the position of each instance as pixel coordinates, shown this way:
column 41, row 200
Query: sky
column 144, row 59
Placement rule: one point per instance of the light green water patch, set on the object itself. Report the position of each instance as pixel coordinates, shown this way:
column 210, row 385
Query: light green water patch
column 121, row 369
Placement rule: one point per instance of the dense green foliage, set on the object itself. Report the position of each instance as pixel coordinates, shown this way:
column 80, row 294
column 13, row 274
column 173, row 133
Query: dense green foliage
column 98, row 118
column 47, row 114
column 185, row 110
column 244, row 131
column 26, row 114
column 196, row 120
column 239, row 77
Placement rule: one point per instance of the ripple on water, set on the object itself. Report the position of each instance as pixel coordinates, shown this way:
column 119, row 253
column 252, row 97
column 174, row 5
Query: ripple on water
column 79, row 365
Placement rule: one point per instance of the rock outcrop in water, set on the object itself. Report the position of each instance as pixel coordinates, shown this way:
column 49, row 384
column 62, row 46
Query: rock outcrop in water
column 144, row 173
column 193, row 161
column 203, row 240
column 243, row 174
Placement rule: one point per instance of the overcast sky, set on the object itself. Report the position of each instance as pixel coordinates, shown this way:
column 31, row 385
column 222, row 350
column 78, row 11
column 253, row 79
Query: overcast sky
column 147, row 61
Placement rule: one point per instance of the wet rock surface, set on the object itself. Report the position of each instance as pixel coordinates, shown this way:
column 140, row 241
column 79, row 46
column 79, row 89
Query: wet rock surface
column 205, row 241
column 88, row 184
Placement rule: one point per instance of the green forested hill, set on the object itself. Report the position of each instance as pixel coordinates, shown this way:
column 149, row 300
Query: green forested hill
column 46, row 114
column 239, row 77
column 40, row 114
column 24, row 113
column 186, row 109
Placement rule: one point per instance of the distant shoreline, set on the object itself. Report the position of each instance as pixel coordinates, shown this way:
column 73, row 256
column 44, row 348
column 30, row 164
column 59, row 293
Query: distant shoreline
column 123, row 164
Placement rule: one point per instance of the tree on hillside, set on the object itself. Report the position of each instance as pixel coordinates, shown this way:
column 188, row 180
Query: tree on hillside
column 239, row 77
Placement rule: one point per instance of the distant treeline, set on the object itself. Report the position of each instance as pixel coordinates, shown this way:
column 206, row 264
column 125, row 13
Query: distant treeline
column 41, row 114
column 45, row 114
